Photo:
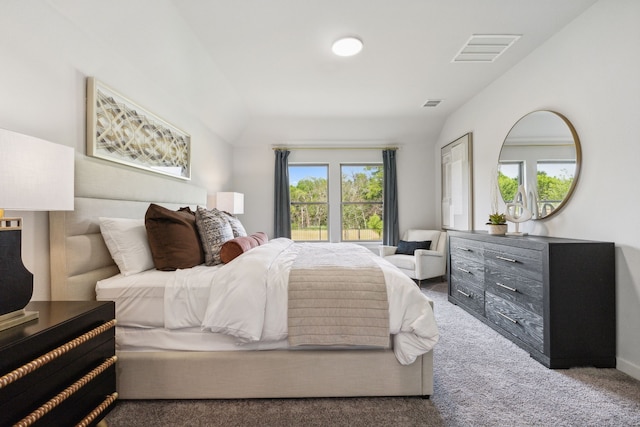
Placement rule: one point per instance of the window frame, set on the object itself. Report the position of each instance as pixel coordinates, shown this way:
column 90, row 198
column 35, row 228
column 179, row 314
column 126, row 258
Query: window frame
column 343, row 203
column 327, row 203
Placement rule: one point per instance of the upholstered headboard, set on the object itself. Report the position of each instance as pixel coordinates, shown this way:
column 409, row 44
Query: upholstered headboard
column 79, row 256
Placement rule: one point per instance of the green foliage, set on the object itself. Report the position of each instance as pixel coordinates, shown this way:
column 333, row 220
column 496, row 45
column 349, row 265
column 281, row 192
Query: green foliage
column 508, row 186
column 551, row 188
column 375, row 223
column 497, row 218
column 361, row 195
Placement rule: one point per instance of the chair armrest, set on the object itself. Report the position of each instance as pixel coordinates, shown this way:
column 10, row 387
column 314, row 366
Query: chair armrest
column 387, row 250
column 426, row 252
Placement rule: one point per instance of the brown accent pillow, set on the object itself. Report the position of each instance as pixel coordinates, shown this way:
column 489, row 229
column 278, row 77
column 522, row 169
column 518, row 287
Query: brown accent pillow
column 233, row 248
column 173, row 238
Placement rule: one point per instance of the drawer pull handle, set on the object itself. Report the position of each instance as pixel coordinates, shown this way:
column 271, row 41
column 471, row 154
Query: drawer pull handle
column 464, row 271
column 28, row 368
column 506, row 259
column 66, row 393
column 502, row 285
column 463, row 293
column 464, row 249
column 508, row 318
column 110, row 399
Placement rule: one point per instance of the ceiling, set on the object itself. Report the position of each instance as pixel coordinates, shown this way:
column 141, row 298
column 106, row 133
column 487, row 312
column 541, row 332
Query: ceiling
column 275, row 56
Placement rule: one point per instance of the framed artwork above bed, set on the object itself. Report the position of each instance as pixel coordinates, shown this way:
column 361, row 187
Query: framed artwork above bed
column 121, row 131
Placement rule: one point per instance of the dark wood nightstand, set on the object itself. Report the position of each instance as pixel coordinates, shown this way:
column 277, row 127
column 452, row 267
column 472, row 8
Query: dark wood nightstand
column 59, row 370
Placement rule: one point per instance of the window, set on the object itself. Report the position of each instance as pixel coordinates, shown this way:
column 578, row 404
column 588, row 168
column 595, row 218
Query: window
column 309, row 191
column 361, row 189
column 510, row 176
column 554, row 181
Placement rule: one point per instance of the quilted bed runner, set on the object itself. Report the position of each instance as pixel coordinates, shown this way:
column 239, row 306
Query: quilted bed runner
column 337, row 296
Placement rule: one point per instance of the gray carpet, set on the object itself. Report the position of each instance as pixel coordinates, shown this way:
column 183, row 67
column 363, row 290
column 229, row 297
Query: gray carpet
column 481, row 379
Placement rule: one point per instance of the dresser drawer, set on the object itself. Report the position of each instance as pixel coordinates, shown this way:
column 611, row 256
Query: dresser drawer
column 464, row 270
column 472, row 297
column 514, row 261
column 467, row 249
column 527, row 293
column 516, row 320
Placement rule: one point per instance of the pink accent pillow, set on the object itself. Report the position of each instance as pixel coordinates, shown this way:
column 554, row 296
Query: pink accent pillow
column 233, row 248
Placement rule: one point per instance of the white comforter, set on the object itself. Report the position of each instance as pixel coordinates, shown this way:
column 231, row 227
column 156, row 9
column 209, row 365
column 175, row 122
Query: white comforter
column 247, row 299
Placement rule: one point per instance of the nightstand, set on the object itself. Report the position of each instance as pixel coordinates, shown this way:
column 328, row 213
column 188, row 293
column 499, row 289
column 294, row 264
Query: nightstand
column 59, row 370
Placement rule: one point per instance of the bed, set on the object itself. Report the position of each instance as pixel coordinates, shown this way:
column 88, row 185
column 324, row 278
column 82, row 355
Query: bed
column 80, row 258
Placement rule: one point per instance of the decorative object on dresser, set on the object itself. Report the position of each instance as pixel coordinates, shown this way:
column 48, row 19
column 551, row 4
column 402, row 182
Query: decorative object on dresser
column 518, row 212
column 553, row 297
column 497, row 224
column 35, row 175
column 59, row 370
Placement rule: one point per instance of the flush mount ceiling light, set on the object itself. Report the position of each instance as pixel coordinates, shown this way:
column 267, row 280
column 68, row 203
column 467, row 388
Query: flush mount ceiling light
column 347, row 46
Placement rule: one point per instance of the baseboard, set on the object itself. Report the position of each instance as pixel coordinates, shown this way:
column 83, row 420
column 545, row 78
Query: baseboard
column 628, row 368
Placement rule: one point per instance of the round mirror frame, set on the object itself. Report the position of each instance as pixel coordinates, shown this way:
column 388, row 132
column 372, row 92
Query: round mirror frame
column 576, row 142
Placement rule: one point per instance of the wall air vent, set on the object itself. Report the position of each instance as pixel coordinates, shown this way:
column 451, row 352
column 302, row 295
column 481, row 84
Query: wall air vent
column 485, row 47
column 432, row 102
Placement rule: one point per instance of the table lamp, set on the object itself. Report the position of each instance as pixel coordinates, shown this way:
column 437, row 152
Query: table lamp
column 230, row 202
column 35, row 175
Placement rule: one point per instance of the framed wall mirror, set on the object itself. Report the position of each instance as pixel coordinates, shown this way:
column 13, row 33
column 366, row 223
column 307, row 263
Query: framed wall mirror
column 542, row 154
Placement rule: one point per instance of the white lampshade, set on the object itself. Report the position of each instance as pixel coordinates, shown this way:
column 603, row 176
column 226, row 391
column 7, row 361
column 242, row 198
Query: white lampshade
column 35, row 175
column 230, row 202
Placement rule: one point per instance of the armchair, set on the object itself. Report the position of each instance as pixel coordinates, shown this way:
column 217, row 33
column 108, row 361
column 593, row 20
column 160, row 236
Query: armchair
column 424, row 263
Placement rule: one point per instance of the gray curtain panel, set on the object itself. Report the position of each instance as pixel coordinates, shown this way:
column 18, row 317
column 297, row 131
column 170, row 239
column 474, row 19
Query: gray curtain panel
column 282, row 202
column 391, row 230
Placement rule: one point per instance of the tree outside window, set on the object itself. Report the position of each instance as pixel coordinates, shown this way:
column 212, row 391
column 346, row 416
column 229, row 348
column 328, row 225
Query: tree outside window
column 309, row 191
column 362, row 208
column 554, row 181
column 509, row 178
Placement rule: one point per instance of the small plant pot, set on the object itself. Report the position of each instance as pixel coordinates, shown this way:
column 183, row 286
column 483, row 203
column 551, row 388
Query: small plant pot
column 498, row 229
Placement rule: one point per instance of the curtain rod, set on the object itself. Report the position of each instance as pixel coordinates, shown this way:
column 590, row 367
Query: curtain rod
column 332, row 148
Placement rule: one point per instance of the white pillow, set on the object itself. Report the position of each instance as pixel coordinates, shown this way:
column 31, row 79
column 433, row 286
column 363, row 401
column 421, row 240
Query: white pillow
column 127, row 242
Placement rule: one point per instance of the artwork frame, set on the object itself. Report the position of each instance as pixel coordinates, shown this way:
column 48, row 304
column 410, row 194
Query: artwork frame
column 121, row 131
column 456, row 165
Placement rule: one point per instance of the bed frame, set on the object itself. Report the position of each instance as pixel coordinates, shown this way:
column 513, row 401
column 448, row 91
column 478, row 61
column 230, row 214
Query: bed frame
column 79, row 258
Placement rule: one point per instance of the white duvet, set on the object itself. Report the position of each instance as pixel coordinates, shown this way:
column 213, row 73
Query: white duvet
column 247, row 298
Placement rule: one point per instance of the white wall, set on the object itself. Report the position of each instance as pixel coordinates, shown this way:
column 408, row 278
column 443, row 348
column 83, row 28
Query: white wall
column 254, row 165
column 588, row 72
column 45, row 59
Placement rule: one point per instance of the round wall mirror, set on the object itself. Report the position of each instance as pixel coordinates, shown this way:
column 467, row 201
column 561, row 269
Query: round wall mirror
column 540, row 155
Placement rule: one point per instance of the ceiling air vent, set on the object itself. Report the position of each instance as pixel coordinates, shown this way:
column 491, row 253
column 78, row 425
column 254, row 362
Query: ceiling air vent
column 432, row 102
column 485, row 47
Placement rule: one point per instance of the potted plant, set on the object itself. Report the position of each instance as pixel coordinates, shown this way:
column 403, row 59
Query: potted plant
column 497, row 223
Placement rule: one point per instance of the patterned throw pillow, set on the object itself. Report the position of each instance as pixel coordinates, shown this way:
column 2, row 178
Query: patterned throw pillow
column 214, row 229
column 236, row 225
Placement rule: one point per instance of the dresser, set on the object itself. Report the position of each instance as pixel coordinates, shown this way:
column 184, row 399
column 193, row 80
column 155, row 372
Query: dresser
column 59, row 370
column 553, row 297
